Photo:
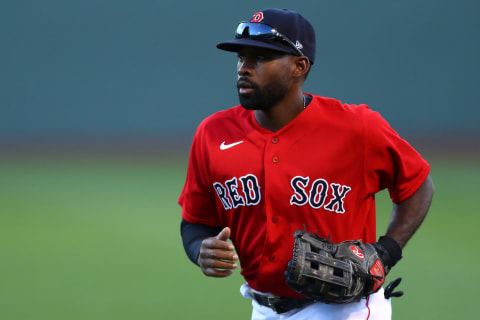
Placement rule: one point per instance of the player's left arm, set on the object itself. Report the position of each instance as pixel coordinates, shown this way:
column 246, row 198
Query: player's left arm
column 408, row 215
column 396, row 165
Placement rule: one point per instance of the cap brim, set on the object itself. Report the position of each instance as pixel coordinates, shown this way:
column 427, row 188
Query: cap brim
column 236, row 45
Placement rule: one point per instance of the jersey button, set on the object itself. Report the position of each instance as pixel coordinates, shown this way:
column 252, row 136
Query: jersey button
column 275, row 159
column 271, row 258
column 275, row 140
column 275, row 219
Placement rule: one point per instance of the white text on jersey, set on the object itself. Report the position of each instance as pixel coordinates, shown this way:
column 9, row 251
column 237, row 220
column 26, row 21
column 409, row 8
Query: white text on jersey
column 245, row 191
column 317, row 194
column 230, row 196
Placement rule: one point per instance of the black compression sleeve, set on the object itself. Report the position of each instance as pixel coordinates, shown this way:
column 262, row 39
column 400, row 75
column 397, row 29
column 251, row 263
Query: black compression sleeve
column 389, row 251
column 393, row 249
column 192, row 236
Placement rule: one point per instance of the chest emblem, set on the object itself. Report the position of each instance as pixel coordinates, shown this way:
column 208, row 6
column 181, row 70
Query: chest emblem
column 224, row 146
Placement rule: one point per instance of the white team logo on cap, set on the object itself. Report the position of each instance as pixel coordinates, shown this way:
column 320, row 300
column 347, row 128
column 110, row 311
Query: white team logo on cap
column 298, row 45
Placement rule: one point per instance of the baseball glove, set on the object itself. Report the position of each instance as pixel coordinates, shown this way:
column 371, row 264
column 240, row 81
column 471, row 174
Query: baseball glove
column 334, row 272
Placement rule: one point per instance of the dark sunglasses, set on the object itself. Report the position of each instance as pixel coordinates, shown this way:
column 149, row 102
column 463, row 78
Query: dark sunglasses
column 262, row 32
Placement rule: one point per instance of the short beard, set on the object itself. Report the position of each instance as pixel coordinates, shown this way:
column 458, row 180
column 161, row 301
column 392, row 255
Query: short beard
column 264, row 98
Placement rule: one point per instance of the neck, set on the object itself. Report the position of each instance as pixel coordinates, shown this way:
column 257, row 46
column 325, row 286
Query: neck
column 282, row 113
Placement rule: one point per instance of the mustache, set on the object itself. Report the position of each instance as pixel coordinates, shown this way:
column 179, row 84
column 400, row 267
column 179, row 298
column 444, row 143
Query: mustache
column 244, row 82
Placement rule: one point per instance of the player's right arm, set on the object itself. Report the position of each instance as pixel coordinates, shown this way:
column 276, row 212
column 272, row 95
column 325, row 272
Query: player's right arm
column 204, row 239
column 209, row 248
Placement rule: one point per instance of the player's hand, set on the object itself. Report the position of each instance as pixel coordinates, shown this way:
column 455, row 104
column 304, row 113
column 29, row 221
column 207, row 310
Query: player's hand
column 217, row 258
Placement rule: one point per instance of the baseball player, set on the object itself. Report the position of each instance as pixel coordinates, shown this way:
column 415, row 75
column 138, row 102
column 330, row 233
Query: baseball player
column 285, row 160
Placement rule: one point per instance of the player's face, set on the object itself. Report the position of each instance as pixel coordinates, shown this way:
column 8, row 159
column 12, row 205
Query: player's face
column 263, row 77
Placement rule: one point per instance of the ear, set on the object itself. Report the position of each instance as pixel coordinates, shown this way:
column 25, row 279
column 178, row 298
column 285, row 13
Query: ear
column 302, row 65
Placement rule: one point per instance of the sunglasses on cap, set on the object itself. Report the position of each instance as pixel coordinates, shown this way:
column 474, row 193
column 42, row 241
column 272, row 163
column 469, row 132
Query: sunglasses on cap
column 262, row 31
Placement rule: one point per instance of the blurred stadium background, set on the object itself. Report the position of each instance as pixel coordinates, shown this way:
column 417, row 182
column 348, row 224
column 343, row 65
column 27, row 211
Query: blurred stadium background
column 99, row 101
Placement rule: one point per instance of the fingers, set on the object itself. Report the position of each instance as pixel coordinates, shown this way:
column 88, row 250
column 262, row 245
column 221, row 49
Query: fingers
column 217, row 263
column 214, row 249
column 217, row 257
column 218, row 254
column 214, row 243
column 217, row 273
column 218, row 268
column 224, row 234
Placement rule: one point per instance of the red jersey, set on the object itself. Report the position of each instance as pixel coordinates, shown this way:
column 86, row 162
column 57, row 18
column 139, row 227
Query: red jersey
column 321, row 170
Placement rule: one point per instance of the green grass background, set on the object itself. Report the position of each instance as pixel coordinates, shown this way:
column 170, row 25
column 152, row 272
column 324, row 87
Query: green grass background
column 99, row 239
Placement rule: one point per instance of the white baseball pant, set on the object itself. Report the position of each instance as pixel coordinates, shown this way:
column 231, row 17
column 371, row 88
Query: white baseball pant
column 375, row 307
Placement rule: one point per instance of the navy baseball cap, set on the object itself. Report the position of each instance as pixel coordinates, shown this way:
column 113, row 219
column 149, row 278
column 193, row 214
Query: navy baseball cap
column 277, row 29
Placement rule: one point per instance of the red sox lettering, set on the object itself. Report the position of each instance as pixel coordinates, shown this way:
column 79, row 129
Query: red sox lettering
column 229, row 194
column 317, row 194
column 314, row 195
